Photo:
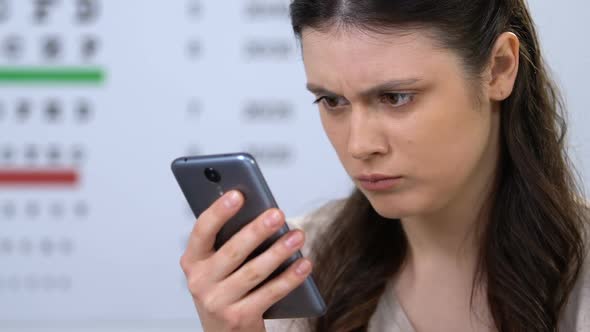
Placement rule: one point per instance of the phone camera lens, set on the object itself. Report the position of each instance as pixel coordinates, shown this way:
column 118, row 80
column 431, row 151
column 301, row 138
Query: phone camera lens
column 212, row 175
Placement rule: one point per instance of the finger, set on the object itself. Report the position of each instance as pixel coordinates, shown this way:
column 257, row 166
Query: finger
column 233, row 253
column 277, row 288
column 202, row 237
column 259, row 268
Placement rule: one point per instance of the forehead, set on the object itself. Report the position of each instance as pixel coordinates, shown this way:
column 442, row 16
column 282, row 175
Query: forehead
column 356, row 58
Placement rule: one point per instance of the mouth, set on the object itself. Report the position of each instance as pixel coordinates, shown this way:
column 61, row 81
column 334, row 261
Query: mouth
column 378, row 182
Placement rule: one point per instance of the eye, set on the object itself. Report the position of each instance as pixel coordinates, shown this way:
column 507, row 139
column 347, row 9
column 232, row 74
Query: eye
column 397, row 99
column 330, row 101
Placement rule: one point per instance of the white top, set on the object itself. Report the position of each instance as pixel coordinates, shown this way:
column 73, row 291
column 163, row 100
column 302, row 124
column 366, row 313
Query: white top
column 390, row 316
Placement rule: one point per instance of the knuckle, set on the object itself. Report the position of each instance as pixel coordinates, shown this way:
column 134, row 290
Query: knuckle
column 210, row 304
column 204, row 222
column 201, row 230
column 250, row 273
column 256, row 231
column 196, row 287
column 278, row 289
column 196, row 282
column 230, row 252
column 203, row 217
column 279, row 251
column 185, row 264
column 209, row 217
column 259, row 228
column 253, row 232
column 234, row 319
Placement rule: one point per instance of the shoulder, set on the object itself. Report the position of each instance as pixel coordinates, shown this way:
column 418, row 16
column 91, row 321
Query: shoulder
column 577, row 312
column 285, row 325
column 316, row 221
column 318, row 217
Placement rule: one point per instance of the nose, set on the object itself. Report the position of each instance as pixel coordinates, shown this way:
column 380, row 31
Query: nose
column 365, row 139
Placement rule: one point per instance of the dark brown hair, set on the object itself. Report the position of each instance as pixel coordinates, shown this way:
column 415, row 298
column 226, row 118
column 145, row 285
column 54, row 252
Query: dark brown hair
column 532, row 249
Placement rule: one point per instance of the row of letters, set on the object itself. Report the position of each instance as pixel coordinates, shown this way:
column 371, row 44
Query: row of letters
column 83, row 12
column 48, row 48
column 46, row 211
column 51, row 110
column 28, row 247
column 51, row 154
column 14, row 283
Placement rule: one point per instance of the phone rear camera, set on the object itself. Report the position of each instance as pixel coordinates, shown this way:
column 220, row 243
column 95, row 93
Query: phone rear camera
column 212, row 175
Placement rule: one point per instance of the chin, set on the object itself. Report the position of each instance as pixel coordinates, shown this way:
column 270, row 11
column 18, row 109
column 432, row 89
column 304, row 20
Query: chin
column 390, row 207
column 390, row 213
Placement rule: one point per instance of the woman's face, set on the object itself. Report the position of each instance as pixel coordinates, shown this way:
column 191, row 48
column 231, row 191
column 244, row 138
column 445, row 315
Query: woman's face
column 399, row 106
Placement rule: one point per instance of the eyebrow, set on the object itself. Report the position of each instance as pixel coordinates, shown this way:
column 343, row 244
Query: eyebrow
column 375, row 90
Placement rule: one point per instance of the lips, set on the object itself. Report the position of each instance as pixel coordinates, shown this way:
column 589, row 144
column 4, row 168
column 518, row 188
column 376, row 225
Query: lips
column 378, row 182
column 375, row 177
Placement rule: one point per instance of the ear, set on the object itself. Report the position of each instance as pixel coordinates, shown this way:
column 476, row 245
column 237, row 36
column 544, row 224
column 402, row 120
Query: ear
column 503, row 66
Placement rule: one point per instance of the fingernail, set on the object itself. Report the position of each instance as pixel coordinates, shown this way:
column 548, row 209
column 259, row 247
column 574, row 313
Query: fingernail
column 303, row 267
column 294, row 239
column 273, row 219
column 232, row 200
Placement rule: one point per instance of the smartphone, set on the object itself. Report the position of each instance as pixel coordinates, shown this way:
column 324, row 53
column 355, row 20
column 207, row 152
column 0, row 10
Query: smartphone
column 203, row 179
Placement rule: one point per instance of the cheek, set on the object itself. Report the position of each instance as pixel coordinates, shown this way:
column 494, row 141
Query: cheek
column 336, row 130
column 446, row 142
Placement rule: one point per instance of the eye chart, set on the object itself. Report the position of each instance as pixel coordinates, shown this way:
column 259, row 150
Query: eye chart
column 96, row 99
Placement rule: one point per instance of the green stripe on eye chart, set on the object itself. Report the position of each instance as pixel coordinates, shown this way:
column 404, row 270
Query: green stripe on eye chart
column 51, row 75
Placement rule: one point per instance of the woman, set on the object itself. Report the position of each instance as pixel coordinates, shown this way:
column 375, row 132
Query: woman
column 466, row 215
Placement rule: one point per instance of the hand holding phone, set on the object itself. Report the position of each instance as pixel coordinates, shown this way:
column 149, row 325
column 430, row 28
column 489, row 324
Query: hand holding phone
column 221, row 290
column 242, row 262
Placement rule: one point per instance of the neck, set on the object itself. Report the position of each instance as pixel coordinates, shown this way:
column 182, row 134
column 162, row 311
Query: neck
column 443, row 249
column 448, row 236
column 452, row 234
column 442, row 259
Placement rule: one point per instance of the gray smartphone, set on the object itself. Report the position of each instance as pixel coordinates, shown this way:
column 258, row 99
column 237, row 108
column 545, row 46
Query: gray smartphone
column 203, row 179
